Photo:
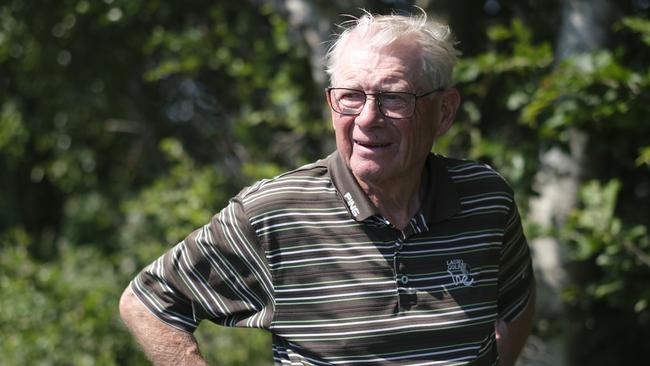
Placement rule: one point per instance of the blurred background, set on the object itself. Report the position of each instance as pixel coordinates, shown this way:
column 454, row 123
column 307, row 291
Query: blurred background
column 125, row 124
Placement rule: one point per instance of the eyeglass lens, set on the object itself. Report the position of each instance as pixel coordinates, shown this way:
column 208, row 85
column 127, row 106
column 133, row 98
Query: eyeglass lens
column 391, row 104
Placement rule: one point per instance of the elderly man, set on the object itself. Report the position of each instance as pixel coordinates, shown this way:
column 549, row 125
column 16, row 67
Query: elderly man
column 382, row 253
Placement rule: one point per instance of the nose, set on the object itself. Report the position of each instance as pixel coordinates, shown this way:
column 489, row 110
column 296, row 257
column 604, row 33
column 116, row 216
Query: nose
column 370, row 114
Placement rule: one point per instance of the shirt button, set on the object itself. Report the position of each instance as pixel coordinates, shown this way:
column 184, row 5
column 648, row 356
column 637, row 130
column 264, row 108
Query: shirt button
column 398, row 245
column 404, row 279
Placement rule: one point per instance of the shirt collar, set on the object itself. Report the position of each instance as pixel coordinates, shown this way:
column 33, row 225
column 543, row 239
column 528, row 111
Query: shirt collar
column 356, row 201
column 440, row 199
column 439, row 196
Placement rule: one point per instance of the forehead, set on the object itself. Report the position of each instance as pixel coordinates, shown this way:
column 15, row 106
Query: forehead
column 366, row 64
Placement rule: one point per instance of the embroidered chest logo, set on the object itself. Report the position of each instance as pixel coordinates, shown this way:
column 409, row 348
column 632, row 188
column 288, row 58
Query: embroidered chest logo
column 351, row 204
column 460, row 272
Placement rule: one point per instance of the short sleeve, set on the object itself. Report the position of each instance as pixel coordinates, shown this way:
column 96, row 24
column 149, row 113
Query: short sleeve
column 515, row 268
column 219, row 273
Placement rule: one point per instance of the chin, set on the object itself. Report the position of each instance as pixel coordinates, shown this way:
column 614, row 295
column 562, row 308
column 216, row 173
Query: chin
column 369, row 172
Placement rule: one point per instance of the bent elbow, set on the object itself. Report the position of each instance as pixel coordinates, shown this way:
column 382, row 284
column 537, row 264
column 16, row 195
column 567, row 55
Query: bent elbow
column 127, row 304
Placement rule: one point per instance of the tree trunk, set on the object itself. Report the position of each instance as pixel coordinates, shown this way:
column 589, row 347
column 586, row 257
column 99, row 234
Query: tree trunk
column 583, row 28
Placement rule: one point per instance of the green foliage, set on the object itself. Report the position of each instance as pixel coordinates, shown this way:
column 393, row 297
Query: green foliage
column 61, row 313
column 236, row 347
column 495, row 86
column 124, row 125
column 176, row 203
column 586, row 89
column 13, row 133
column 595, row 233
column 644, row 156
column 638, row 25
column 611, row 261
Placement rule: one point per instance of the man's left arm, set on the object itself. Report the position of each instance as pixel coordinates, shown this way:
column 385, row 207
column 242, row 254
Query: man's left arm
column 511, row 335
column 516, row 291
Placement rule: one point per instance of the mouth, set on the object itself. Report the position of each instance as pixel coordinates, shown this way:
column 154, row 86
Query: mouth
column 371, row 144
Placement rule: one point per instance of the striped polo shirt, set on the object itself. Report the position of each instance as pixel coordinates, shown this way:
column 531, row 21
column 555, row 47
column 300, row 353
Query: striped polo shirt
column 306, row 256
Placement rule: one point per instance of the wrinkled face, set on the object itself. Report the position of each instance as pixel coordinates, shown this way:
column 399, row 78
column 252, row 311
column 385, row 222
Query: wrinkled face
column 380, row 150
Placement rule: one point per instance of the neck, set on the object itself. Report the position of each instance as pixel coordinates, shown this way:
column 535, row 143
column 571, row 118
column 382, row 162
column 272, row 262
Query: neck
column 397, row 202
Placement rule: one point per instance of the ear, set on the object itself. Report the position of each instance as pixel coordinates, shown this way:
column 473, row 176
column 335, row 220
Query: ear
column 329, row 104
column 450, row 100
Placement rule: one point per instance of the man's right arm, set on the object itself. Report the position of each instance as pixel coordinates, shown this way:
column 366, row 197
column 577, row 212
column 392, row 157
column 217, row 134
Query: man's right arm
column 162, row 344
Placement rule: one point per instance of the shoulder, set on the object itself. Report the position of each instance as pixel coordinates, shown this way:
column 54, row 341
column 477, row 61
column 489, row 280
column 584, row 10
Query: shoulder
column 474, row 176
column 310, row 182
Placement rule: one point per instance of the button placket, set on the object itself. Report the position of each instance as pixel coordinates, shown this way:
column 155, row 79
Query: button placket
column 398, row 264
column 407, row 294
column 398, row 267
column 403, row 275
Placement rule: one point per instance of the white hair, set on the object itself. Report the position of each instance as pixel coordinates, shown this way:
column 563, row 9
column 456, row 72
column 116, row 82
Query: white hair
column 434, row 40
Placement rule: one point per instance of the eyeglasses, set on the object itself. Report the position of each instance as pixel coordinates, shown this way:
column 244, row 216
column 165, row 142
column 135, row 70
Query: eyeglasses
column 396, row 105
